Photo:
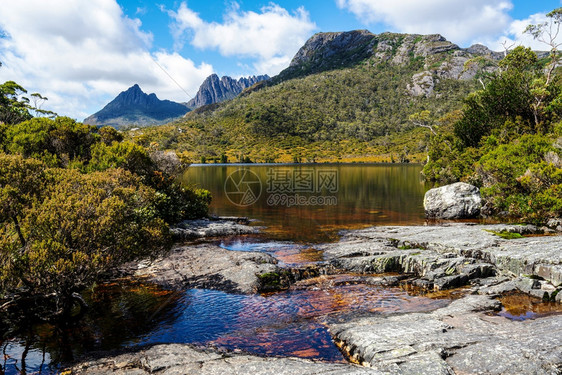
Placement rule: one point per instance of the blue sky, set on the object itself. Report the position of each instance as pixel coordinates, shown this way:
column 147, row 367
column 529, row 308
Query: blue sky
column 82, row 53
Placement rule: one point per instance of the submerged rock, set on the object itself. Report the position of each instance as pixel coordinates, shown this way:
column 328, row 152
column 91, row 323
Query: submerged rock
column 211, row 267
column 456, row 201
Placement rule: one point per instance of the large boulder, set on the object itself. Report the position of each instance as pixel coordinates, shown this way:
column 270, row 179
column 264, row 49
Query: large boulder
column 455, row 201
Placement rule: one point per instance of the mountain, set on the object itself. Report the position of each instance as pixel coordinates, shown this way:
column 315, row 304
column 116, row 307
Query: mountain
column 215, row 90
column 133, row 107
column 346, row 96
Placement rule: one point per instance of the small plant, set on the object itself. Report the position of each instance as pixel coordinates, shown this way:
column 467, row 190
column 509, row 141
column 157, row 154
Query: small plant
column 505, row 234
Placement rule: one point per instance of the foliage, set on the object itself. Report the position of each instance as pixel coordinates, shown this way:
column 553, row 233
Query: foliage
column 518, row 179
column 22, row 183
column 507, row 96
column 178, row 202
column 506, row 138
column 339, row 114
column 78, row 227
column 126, row 155
column 62, row 229
column 109, row 135
column 505, row 234
column 57, row 141
column 13, row 109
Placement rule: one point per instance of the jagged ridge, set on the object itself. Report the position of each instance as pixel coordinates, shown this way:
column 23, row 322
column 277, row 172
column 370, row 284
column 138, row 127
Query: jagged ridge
column 215, row 90
column 336, row 50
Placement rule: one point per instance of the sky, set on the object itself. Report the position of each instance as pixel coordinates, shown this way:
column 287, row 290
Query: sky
column 80, row 54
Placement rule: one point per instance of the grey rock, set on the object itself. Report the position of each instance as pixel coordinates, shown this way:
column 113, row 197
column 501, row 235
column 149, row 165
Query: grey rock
column 456, row 68
column 215, row 89
column 436, row 270
column 325, row 51
column 495, row 289
column 450, row 255
column 211, row 267
column 456, row 201
column 204, row 228
column 538, row 256
column 321, row 47
column 449, row 282
column 185, row 359
column 530, row 347
column 555, row 224
column 422, row 84
column 433, row 44
column 481, row 50
column 458, row 339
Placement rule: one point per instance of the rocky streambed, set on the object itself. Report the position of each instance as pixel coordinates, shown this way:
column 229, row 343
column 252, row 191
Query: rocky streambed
column 464, row 337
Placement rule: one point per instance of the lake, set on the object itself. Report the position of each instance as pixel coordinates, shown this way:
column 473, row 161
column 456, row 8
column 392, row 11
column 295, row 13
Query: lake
column 298, row 206
column 312, row 202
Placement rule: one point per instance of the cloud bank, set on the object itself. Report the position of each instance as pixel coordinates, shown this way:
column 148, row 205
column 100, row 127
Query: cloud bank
column 80, row 54
column 460, row 21
column 271, row 37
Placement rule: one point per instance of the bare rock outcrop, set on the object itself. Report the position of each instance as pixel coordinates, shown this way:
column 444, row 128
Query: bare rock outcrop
column 456, row 201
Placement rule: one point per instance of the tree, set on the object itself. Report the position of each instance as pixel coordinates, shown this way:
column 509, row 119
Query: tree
column 126, row 155
column 423, row 119
column 22, row 183
column 109, row 135
column 38, row 101
column 507, row 96
column 547, row 33
column 14, row 107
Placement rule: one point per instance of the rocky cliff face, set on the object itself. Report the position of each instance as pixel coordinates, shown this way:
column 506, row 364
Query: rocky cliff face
column 133, row 107
column 215, row 90
column 436, row 57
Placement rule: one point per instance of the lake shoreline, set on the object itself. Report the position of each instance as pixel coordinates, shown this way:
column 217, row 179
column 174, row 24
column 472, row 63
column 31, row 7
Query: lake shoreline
column 439, row 342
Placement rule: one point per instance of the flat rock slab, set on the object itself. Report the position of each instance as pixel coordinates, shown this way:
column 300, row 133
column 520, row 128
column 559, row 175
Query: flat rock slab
column 205, row 228
column 209, row 266
column 183, row 359
column 457, row 339
column 540, row 256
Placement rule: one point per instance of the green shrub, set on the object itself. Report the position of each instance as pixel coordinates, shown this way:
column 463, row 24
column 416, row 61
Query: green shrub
column 75, row 228
column 56, row 141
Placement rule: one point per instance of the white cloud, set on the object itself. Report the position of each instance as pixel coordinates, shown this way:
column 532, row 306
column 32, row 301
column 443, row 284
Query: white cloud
column 80, row 54
column 515, row 35
column 272, row 36
column 459, row 21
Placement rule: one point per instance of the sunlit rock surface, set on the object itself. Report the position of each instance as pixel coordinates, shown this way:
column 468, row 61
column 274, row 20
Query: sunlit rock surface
column 456, row 201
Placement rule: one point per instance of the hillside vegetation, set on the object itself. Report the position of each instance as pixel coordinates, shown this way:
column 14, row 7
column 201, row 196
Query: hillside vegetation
column 508, row 138
column 345, row 97
column 76, row 201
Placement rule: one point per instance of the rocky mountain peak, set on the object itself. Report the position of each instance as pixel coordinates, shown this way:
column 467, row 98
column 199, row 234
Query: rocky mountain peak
column 215, row 89
column 134, row 107
column 133, row 96
column 432, row 56
column 325, row 45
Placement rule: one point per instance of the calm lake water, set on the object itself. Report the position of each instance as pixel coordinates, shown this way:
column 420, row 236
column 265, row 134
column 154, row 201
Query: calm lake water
column 299, row 206
column 311, row 203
